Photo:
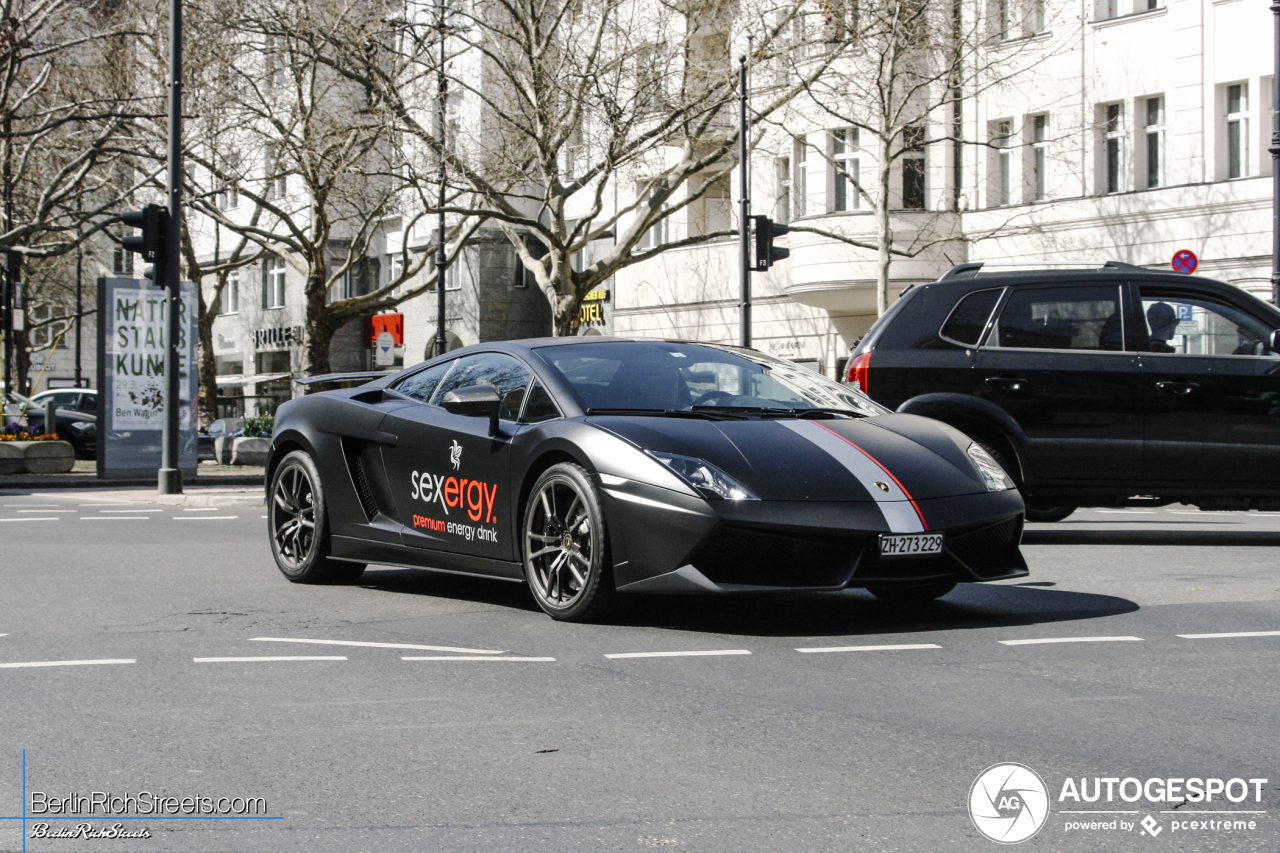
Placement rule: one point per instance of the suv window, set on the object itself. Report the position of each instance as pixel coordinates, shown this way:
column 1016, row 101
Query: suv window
column 505, row 374
column 1195, row 324
column 970, row 317
column 1068, row 318
column 420, row 385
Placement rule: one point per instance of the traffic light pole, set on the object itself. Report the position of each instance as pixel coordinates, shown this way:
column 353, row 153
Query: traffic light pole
column 168, row 274
column 744, row 215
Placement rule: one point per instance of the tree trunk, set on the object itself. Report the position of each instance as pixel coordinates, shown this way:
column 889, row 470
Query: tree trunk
column 321, row 326
column 206, row 370
column 884, row 236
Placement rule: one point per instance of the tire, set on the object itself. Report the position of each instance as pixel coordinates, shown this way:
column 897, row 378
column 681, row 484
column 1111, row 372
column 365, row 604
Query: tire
column 566, row 547
column 912, row 594
column 1033, row 513
column 298, row 525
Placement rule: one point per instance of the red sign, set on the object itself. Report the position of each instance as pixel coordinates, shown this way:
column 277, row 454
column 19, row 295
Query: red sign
column 393, row 323
column 1185, row 261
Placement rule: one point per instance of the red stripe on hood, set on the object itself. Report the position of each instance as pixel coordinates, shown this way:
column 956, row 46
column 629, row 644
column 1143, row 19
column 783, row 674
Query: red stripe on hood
column 887, row 472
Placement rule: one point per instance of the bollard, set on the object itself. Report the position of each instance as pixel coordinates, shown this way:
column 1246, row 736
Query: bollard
column 50, row 417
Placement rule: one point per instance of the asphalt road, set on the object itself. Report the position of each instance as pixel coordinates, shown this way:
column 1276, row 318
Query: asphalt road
column 513, row 732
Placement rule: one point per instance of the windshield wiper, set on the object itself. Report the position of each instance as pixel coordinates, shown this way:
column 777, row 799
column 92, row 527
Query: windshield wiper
column 767, row 411
column 696, row 413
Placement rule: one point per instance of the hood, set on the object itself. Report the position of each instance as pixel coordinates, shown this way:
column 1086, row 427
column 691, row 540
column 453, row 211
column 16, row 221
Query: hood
column 791, row 459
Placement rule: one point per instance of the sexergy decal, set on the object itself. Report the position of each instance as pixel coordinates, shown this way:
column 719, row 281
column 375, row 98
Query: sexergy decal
column 892, row 499
column 474, row 497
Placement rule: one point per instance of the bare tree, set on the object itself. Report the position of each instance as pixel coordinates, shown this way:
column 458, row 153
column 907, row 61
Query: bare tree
column 584, row 122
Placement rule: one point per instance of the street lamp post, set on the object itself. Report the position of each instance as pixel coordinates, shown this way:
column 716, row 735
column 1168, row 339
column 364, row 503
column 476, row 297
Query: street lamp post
column 744, row 215
column 170, row 473
column 442, row 259
column 1275, row 163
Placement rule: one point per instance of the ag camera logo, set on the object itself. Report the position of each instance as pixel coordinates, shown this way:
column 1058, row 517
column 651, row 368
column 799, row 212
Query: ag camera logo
column 1008, row 803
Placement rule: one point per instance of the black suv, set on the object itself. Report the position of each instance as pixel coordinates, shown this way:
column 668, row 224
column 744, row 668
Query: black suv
column 1115, row 386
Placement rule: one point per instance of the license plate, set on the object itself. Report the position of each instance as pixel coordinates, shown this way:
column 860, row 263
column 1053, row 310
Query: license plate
column 910, row 545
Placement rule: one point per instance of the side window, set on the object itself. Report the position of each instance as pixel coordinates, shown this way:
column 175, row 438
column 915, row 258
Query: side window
column 1192, row 324
column 970, row 317
column 506, row 375
column 539, row 407
column 420, row 385
column 1069, row 318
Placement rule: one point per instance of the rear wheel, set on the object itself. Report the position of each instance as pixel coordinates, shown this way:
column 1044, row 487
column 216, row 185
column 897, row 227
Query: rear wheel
column 298, row 522
column 566, row 547
column 1034, row 512
column 908, row 594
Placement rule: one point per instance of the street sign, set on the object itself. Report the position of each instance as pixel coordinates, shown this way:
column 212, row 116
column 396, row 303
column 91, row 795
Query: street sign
column 1183, row 313
column 384, row 354
column 1185, row 261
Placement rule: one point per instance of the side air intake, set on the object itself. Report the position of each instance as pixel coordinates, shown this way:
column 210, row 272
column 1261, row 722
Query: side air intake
column 361, row 481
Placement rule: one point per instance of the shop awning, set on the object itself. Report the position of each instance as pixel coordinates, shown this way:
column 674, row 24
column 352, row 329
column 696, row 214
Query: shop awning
column 238, row 380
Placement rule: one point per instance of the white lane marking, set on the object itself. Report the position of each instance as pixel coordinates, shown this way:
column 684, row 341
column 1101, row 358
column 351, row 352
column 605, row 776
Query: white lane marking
column 204, row 517
column 109, row 503
column 43, row 505
column 114, row 518
column 870, row 648
column 1071, row 640
column 376, row 645
column 482, row 658
column 201, row 509
column 105, row 511
column 678, row 654
column 65, row 663
column 30, row 519
column 264, row 516
column 1211, row 636
column 4, row 635
column 269, row 659
column 46, row 510
column 1128, row 511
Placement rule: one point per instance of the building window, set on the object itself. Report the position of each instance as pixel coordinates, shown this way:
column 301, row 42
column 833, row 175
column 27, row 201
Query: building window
column 1034, row 22
column 782, row 210
column 844, row 169
column 801, row 185
column 122, row 263
column 395, row 266
column 277, row 181
column 231, row 293
column 1154, row 149
column 1000, row 20
column 913, row 167
column 1237, row 131
column 1001, row 134
column 658, row 231
column 1112, row 146
column 273, row 283
column 1039, row 159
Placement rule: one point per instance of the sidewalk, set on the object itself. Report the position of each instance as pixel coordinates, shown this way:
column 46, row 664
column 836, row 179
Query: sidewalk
column 220, row 485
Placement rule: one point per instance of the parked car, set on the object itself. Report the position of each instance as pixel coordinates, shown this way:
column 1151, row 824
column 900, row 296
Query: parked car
column 1113, row 386
column 75, row 421
column 221, row 428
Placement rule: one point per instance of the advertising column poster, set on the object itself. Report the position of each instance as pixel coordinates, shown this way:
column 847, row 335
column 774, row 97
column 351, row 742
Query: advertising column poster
column 131, row 387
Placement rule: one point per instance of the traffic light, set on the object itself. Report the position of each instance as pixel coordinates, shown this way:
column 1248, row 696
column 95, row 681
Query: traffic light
column 768, row 254
column 151, row 220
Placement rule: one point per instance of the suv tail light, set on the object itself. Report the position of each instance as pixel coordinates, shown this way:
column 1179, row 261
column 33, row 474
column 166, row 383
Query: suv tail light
column 859, row 368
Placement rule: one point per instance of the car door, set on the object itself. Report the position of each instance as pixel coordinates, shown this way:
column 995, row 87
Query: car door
column 1057, row 362
column 1211, row 389
column 450, row 479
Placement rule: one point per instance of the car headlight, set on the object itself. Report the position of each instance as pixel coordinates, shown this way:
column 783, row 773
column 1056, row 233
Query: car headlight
column 992, row 474
column 707, row 479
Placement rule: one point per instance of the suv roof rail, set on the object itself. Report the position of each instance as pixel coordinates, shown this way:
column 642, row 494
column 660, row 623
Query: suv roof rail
column 970, row 270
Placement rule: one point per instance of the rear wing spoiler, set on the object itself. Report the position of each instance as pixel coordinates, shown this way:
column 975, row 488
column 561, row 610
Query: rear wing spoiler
column 362, row 375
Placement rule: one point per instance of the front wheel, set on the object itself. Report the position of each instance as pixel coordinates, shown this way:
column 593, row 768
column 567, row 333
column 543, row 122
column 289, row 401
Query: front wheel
column 298, row 524
column 1048, row 513
column 910, row 594
column 566, row 547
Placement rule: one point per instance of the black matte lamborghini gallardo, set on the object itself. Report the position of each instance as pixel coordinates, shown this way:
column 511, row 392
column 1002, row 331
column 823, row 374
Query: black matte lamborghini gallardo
column 592, row 466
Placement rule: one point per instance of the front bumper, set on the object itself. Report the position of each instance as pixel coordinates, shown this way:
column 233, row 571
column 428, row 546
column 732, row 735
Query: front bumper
column 756, row 546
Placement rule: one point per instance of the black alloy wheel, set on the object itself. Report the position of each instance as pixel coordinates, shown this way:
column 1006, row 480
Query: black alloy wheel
column 566, row 553
column 298, row 524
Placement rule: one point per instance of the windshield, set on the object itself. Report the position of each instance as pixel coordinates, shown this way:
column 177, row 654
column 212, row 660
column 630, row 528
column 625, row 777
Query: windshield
column 681, row 377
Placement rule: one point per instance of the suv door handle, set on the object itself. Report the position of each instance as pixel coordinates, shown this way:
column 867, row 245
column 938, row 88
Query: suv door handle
column 1008, row 383
column 1179, row 389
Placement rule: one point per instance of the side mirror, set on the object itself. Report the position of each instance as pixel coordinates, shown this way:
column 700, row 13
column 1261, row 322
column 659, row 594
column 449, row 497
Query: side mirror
column 1273, row 344
column 475, row 401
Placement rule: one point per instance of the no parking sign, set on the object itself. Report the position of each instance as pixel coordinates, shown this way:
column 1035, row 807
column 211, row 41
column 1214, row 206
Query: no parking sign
column 1185, row 261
